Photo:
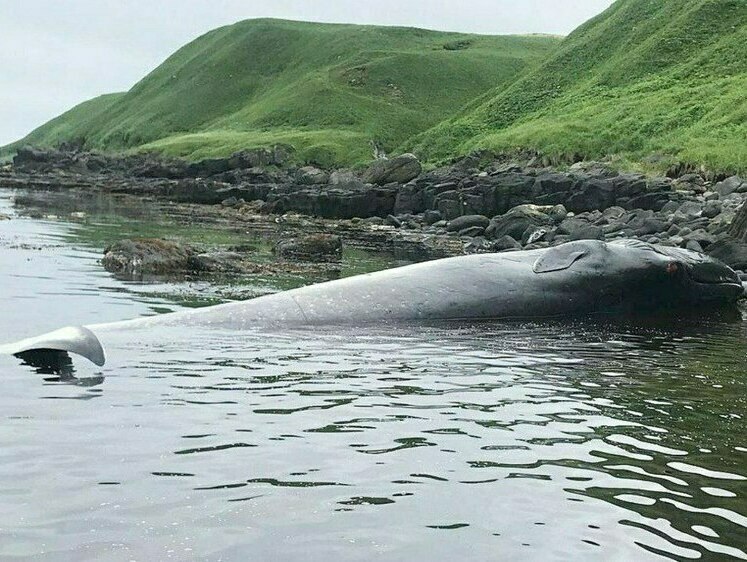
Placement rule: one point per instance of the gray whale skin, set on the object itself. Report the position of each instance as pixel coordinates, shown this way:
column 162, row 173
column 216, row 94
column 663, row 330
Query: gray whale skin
column 576, row 278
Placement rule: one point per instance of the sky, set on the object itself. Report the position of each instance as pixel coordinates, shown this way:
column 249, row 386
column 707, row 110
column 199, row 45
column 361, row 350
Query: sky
column 55, row 54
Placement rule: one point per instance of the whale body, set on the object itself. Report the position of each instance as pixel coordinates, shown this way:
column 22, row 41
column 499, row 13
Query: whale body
column 576, row 278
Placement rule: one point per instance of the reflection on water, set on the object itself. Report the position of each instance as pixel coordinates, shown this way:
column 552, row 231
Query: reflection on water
column 566, row 441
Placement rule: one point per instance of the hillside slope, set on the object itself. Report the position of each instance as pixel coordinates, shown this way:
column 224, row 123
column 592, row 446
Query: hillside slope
column 651, row 80
column 330, row 90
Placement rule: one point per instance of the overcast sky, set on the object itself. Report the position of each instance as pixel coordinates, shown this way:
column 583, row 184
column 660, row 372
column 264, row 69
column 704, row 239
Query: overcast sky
column 57, row 53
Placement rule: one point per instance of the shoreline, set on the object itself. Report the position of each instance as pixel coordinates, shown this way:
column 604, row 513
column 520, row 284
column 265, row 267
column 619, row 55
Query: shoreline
column 461, row 208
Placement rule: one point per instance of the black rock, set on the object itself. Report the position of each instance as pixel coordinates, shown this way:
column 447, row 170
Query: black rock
column 505, row 243
column 467, row 221
column 732, row 252
column 431, row 217
column 516, row 222
column 400, row 169
column 139, row 256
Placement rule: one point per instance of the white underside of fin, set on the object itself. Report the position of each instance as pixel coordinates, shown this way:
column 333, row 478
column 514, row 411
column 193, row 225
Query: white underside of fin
column 74, row 339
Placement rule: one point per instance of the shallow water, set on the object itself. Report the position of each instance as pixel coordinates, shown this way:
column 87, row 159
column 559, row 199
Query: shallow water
column 586, row 440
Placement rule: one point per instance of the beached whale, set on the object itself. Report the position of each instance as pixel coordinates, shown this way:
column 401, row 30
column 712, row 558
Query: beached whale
column 576, row 278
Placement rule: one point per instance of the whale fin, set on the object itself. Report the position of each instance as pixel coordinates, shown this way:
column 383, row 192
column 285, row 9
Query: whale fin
column 74, row 339
column 558, row 258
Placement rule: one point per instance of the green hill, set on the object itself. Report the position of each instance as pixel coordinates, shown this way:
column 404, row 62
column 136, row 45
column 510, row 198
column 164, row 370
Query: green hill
column 654, row 81
column 329, row 90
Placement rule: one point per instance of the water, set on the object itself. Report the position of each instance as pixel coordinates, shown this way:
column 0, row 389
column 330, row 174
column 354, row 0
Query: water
column 543, row 441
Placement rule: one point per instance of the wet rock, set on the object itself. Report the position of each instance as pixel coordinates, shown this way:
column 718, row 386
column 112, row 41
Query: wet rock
column 400, row 169
column 313, row 248
column 140, row 256
column 217, row 262
column 468, row 221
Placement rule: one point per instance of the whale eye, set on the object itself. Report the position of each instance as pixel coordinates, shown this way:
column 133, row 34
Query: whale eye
column 557, row 259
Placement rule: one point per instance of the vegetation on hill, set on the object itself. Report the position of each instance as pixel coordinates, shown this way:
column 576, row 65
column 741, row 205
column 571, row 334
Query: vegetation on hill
column 653, row 81
column 332, row 91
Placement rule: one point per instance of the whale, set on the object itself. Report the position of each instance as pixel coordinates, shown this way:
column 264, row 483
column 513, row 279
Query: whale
column 581, row 277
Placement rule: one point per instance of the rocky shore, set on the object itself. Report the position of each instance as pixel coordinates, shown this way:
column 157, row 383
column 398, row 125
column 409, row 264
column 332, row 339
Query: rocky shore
column 470, row 206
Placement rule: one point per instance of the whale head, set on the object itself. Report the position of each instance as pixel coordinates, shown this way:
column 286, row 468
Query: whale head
column 642, row 274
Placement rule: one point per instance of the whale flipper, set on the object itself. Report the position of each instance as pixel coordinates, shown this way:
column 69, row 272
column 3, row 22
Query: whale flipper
column 74, row 339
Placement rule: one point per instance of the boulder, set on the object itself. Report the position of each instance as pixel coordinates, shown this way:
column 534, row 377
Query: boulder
column 410, row 199
column 468, row 221
column 400, row 169
column 712, row 209
column 505, row 243
column 209, row 167
column 217, row 262
column 729, row 186
column 310, row 175
column 139, row 256
column 703, row 238
column 558, row 214
column 654, row 200
column 594, row 194
column 344, row 178
column 533, row 234
column 588, row 232
column 314, row 248
column 472, row 231
column 732, row 252
column 738, row 228
column 517, row 221
column 432, row 217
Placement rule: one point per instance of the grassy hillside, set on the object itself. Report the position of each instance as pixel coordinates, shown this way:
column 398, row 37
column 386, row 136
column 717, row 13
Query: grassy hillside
column 650, row 80
column 329, row 90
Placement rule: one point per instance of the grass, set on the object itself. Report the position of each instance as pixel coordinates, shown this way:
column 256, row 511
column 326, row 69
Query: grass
column 647, row 81
column 331, row 91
